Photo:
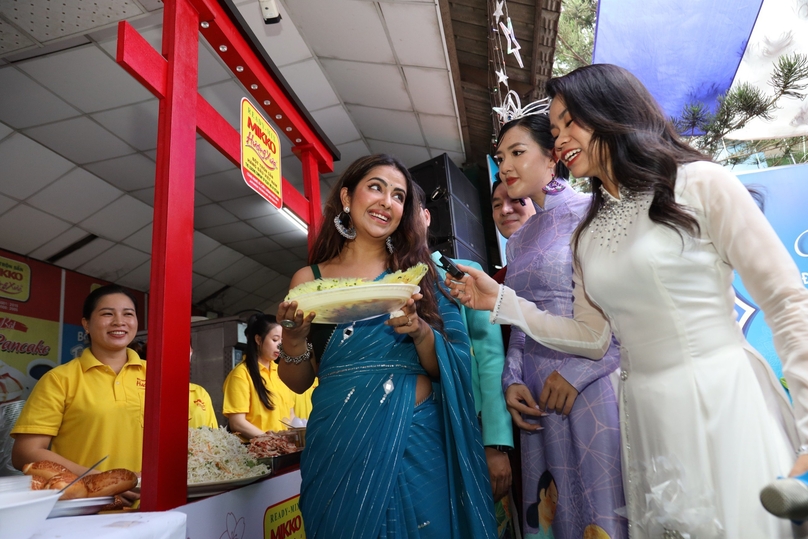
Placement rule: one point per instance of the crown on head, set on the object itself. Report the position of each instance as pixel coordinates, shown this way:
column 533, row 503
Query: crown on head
column 512, row 109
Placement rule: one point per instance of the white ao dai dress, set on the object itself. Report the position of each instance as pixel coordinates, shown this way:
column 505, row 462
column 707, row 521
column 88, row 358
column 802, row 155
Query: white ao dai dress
column 704, row 422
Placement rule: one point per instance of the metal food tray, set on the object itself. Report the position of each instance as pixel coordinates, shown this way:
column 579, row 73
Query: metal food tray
column 282, row 462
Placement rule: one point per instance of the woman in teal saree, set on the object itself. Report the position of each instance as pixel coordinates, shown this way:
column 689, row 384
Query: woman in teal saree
column 393, row 447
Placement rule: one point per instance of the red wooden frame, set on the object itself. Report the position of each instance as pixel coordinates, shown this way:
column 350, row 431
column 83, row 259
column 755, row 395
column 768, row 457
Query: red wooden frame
column 173, row 78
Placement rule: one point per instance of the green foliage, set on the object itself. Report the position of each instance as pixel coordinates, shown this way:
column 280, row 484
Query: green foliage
column 576, row 35
column 739, row 105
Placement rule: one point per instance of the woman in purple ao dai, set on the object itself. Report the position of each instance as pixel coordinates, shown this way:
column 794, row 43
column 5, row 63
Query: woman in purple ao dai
column 564, row 404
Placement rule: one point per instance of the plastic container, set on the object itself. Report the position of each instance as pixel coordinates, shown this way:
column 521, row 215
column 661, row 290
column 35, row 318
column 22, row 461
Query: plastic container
column 15, row 483
column 22, row 513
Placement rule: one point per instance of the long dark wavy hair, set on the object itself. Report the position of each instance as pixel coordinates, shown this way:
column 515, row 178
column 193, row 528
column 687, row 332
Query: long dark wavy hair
column 409, row 240
column 538, row 125
column 258, row 325
column 630, row 132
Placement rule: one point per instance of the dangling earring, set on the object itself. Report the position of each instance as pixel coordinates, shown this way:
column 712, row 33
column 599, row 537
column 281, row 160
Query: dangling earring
column 553, row 187
column 347, row 233
column 389, row 243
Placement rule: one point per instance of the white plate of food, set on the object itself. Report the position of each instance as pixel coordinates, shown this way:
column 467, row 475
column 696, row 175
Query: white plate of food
column 355, row 303
column 80, row 506
column 198, row 490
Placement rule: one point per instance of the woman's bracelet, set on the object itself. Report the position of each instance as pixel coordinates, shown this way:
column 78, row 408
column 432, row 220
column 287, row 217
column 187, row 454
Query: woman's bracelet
column 297, row 360
column 495, row 311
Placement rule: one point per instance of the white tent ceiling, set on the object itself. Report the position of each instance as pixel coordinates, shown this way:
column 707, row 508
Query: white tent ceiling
column 78, row 135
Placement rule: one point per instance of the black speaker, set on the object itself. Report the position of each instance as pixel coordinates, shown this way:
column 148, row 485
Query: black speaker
column 454, row 205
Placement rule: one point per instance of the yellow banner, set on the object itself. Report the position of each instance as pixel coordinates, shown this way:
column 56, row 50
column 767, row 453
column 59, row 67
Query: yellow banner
column 28, row 349
column 15, row 280
column 260, row 155
column 284, row 521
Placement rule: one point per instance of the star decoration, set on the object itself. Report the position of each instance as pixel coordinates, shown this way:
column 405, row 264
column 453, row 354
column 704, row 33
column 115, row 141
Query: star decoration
column 513, row 45
column 498, row 12
column 502, row 78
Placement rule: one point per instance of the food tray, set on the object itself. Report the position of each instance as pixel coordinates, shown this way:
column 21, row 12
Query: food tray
column 355, row 303
column 281, row 462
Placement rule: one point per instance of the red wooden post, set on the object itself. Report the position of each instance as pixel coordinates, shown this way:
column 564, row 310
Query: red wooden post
column 166, row 430
column 311, row 187
column 173, row 79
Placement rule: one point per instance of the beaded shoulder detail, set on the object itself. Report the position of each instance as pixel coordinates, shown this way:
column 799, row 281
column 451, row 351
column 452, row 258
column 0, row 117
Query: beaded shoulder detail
column 614, row 218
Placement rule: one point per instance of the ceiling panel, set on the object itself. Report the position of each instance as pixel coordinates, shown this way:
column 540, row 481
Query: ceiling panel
column 287, row 266
column 203, row 245
column 310, row 84
column 232, row 275
column 5, row 131
column 215, row 261
column 336, row 124
column 373, row 85
column 80, row 139
column 255, row 246
column 129, row 173
column 389, row 125
column 409, row 155
column 212, row 215
column 85, row 254
column 23, row 228
column 343, row 29
column 144, row 195
column 138, row 278
column 200, row 199
column 135, row 124
column 224, row 186
column 257, row 279
column 75, row 196
column 273, row 224
column 211, row 68
column 77, row 75
column 292, row 171
column 45, row 24
column 141, row 240
column 6, row 203
column 65, row 239
column 297, row 238
column 114, row 263
column 431, row 90
column 246, row 304
column 228, row 298
column 423, row 47
column 282, row 41
column 225, row 97
column 16, row 179
column 120, row 219
column 442, row 132
column 209, row 159
column 26, row 103
column 206, row 289
column 232, row 232
column 249, row 207
column 350, row 152
column 12, row 39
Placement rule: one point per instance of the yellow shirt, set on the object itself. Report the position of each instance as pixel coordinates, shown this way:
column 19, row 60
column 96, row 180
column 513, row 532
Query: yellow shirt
column 200, row 408
column 90, row 411
column 240, row 397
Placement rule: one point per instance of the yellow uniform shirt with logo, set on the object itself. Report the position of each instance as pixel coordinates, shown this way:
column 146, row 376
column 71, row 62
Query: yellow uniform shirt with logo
column 200, row 408
column 240, row 397
column 90, row 411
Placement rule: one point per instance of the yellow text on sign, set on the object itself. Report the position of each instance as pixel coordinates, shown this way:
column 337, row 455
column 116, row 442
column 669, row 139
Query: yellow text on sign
column 260, row 155
column 284, row 521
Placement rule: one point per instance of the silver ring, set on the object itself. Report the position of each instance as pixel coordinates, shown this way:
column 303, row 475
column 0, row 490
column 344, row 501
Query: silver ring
column 288, row 324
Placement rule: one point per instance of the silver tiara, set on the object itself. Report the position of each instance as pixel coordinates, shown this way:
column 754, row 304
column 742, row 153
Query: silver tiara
column 511, row 108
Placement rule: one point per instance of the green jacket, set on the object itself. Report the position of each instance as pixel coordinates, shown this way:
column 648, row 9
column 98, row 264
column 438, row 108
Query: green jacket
column 488, row 357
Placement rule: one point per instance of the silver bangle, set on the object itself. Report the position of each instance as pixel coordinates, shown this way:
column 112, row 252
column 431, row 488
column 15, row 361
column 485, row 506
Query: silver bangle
column 802, row 450
column 498, row 304
column 297, row 360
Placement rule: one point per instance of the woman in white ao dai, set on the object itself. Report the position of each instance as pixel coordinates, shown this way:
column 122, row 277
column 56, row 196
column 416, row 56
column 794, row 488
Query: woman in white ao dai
column 704, row 422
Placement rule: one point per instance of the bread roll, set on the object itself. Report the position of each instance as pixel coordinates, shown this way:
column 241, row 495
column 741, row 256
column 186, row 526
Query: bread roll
column 110, row 482
column 44, row 468
column 38, row 482
column 60, row 481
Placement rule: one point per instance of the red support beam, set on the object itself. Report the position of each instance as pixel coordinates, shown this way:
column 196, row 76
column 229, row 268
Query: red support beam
column 172, row 78
column 166, row 417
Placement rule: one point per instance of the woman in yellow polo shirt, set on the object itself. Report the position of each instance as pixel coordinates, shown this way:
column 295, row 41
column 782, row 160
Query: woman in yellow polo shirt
column 93, row 405
column 255, row 398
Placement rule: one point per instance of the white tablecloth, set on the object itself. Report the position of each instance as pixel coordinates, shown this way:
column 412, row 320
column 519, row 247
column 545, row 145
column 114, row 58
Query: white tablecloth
column 162, row 525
